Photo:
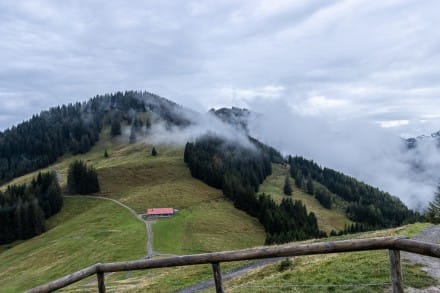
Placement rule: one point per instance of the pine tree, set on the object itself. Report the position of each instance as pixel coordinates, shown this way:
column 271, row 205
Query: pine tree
column 287, row 187
column 433, row 213
column 132, row 138
column 106, row 154
column 115, row 127
column 298, row 179
column 154, row 152
column 310, row 188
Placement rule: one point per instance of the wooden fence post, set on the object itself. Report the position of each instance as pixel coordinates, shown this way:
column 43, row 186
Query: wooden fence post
column 217, row 277
column 101, row 284
column 396, row 271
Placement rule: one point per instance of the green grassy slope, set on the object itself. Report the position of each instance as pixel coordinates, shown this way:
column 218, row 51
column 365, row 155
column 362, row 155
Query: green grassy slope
column 87, row 231
column 328, row 220
column 343, row 272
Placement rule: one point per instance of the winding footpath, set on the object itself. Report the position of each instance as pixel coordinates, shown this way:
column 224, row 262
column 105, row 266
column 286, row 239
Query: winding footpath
column 149, row 231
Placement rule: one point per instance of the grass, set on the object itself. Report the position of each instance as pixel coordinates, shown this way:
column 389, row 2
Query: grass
column 203, row 228
column 344, row 272
column 87, row 231
column 328, row 220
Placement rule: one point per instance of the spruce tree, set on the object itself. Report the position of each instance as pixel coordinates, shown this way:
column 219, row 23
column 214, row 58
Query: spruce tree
column 433, row 213
column 287, row 187
column 154, row 152
column 310, row 188
column 115, row 127
column 132, row 138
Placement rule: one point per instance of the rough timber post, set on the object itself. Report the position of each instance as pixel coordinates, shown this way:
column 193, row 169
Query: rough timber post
column 217, row 277
column 101, row 284
column 396, row 271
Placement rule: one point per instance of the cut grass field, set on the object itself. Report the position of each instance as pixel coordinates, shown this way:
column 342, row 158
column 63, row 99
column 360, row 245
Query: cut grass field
column 367, row 271
column 328, row 220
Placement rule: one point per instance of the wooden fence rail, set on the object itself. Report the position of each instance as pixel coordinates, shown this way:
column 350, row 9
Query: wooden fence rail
column 393, row 244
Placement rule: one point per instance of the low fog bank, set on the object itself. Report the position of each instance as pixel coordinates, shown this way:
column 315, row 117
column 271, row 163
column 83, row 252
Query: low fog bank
column 162, row 133
column 356, row 148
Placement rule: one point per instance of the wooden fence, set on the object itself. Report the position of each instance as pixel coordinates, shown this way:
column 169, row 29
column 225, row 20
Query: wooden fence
column 393, row 244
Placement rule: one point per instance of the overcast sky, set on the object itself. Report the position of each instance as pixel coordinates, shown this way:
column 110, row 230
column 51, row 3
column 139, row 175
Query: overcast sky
column 372, row 60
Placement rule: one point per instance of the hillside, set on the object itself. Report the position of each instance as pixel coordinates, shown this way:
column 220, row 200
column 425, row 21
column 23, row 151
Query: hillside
column 236, row 202
column 348, row 272
column 328, row 220
column 139, row 180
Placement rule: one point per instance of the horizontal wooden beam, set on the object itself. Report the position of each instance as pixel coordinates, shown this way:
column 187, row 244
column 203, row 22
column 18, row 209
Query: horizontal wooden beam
column 256, row 253
column 419, row 247
column 67, row 280
column 393, row 243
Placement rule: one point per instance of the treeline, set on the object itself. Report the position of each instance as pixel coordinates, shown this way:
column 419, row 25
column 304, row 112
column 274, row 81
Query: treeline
column 74, row 128
column 366, row 204
column 82, row 179
column 24, row 208
column 238, row 169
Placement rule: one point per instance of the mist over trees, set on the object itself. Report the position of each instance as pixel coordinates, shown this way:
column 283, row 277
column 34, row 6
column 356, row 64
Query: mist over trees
column 75, row 128
column 367, row 205
column 24, row 208
column 239, row 171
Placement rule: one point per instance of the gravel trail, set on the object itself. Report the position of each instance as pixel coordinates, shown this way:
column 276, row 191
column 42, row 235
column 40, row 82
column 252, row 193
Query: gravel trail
column 430, row 265
column 149, row 231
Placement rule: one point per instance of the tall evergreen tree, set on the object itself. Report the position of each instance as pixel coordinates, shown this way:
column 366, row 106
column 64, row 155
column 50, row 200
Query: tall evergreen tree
column 154, row 152
column 309, row 186
column 115, row 129
column 132, row 138
column 82, row 179
column 433, row 212
column 287, row 189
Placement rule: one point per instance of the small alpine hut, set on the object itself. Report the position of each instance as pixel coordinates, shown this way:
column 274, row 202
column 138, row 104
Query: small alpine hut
column 160, row 212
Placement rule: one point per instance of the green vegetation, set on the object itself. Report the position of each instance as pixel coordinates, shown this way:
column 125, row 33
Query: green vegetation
column 333, row 219
column 239, row 170
column 131, row 175
column 343, row 272
column 24, row 207
column 87, row 231
column 82, row 179
column 433, row 213
column 370, row 207
column 203, row 228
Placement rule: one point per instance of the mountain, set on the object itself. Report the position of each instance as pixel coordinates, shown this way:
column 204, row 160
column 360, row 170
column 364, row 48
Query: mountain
column 75, row 128
column 226, row 185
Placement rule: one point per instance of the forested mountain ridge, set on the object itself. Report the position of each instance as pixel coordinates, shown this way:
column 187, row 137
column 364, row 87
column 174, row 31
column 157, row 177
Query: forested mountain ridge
column 75, row 128
column 365, row 204
column 238, row 168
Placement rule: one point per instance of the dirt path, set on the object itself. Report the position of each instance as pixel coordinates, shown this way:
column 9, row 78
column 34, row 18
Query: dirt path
column 430, row 265
column 149, row 231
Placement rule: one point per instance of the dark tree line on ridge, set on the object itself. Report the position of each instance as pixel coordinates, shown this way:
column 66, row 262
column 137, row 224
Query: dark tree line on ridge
column 367, row 205
column 239, row 170
column 75, row 128
column 24, row 208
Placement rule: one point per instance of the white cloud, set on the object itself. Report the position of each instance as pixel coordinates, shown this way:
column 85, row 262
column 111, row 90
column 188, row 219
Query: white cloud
column 393, row 123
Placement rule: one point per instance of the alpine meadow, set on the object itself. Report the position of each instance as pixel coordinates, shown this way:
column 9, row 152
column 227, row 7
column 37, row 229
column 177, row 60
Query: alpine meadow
column 80, row 179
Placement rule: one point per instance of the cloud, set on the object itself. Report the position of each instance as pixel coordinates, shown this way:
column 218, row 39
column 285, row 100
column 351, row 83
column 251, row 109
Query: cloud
column 355, row 147
column 373, row 55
